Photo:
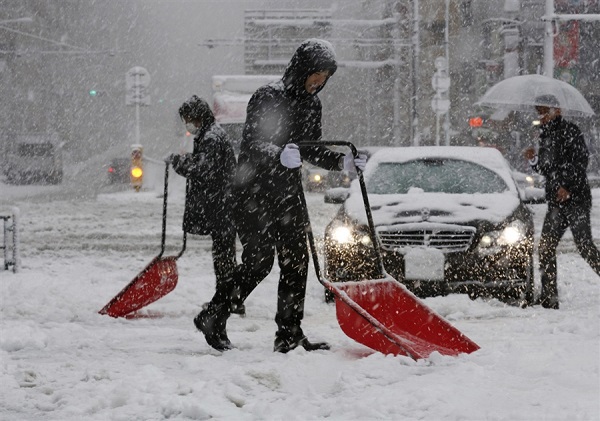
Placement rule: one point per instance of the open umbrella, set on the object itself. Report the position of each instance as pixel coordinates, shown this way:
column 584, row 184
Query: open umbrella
column 522, row 93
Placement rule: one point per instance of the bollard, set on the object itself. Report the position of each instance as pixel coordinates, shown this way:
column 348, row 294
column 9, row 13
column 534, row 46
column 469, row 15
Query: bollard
column 7, row 246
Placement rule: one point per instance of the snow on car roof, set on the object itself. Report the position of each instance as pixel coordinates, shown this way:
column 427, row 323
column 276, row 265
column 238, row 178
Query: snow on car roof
column 494, row 207
column 488, row 157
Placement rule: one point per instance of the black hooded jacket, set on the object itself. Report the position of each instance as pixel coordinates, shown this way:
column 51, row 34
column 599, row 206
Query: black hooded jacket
column 563, row 160
column 210, row 169
column 280, row 113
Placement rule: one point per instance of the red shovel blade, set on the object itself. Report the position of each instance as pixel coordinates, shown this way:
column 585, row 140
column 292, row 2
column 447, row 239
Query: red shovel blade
column 383, row 315
column 154, row 282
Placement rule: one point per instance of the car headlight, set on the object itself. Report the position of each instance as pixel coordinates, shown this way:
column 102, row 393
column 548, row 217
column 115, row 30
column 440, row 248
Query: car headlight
column 530, row 180
column 514, row 233
column 345, row 235
column 342, row 235
column 316, row 178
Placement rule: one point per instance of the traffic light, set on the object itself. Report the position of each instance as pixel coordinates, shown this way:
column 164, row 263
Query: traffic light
column 93, row 92
column 475, row 122
column 136, row 174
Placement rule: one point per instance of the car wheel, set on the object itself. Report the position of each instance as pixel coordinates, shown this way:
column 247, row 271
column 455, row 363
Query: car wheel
column 19, row 178
column 56, row 178
column 474, row 292
column 522, row 295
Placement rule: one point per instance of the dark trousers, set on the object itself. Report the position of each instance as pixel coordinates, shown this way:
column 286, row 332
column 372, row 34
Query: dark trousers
column 556, row 222
column 223, row 253
column 265, row 231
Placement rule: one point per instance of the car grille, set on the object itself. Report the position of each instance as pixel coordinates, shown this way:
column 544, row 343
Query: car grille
column 449, row 239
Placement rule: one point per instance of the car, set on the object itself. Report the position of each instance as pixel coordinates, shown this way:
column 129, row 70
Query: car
column 319, row 179
column 448, row 219
column 118, row 170
column 34, row 158
column 533, row 183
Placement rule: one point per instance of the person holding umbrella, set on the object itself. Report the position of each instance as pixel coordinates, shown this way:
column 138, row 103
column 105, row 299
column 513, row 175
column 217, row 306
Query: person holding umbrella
column 562, row 158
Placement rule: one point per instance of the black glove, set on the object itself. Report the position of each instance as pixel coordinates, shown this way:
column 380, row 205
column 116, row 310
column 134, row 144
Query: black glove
column 170, row 158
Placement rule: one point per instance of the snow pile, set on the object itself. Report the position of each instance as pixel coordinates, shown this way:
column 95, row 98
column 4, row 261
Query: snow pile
column 61, row 360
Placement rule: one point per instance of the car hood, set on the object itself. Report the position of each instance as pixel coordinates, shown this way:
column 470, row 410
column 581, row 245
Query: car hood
column 433, row 207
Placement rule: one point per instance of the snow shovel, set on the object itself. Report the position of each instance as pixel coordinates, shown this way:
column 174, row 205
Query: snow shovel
column 155, row 281
column 381, row 313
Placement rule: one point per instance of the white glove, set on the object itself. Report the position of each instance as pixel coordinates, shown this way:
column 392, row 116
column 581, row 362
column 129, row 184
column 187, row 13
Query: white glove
column 351, row 163
column 290, row 156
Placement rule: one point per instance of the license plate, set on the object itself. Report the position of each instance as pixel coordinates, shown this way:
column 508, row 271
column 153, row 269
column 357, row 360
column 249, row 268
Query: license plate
column 424, row 264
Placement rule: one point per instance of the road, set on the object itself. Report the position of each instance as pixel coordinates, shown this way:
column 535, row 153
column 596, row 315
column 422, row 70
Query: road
column 107, row 218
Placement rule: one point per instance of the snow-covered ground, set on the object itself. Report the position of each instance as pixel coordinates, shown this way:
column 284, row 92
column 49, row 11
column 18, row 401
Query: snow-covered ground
column 61, row 360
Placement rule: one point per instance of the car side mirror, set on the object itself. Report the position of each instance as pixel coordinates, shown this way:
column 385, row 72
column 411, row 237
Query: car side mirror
column 336, row 195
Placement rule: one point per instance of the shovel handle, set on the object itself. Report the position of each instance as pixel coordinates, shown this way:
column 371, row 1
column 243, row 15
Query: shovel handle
column 363, row 190
column 164, row 217
column 308, row 227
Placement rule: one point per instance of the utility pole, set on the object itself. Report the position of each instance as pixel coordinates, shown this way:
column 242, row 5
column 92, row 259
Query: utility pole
column 396, row 94
column 415, row 76
column 446, row 47
column 137, row 81
column 440, row 103
column 549, row 40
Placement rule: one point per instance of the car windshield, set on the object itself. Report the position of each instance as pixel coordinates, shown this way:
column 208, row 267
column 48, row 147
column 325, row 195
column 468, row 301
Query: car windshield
column 436, row 175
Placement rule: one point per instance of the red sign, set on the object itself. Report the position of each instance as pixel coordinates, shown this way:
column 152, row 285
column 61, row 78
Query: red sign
column 566, row 44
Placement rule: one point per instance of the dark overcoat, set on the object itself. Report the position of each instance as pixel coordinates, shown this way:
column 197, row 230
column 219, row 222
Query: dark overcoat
column 280, row 113
column 210, row 170
column 563, row 160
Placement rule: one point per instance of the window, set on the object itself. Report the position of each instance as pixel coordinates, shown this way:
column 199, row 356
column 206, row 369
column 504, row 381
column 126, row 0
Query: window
column 36, row 149
column 435, row 175
column 466, row 13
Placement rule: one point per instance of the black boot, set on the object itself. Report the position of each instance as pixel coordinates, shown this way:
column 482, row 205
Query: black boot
column 212, row 322
column 285, row 341
column 549, row 298
column 549, row 302
column 240, row 310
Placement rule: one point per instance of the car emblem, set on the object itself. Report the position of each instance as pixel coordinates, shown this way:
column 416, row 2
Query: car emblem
column 425, row 212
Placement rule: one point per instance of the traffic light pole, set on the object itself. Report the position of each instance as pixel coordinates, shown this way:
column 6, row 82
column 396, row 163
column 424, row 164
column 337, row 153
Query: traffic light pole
column 416, row 44
column 137, row 80
column 137, row 122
